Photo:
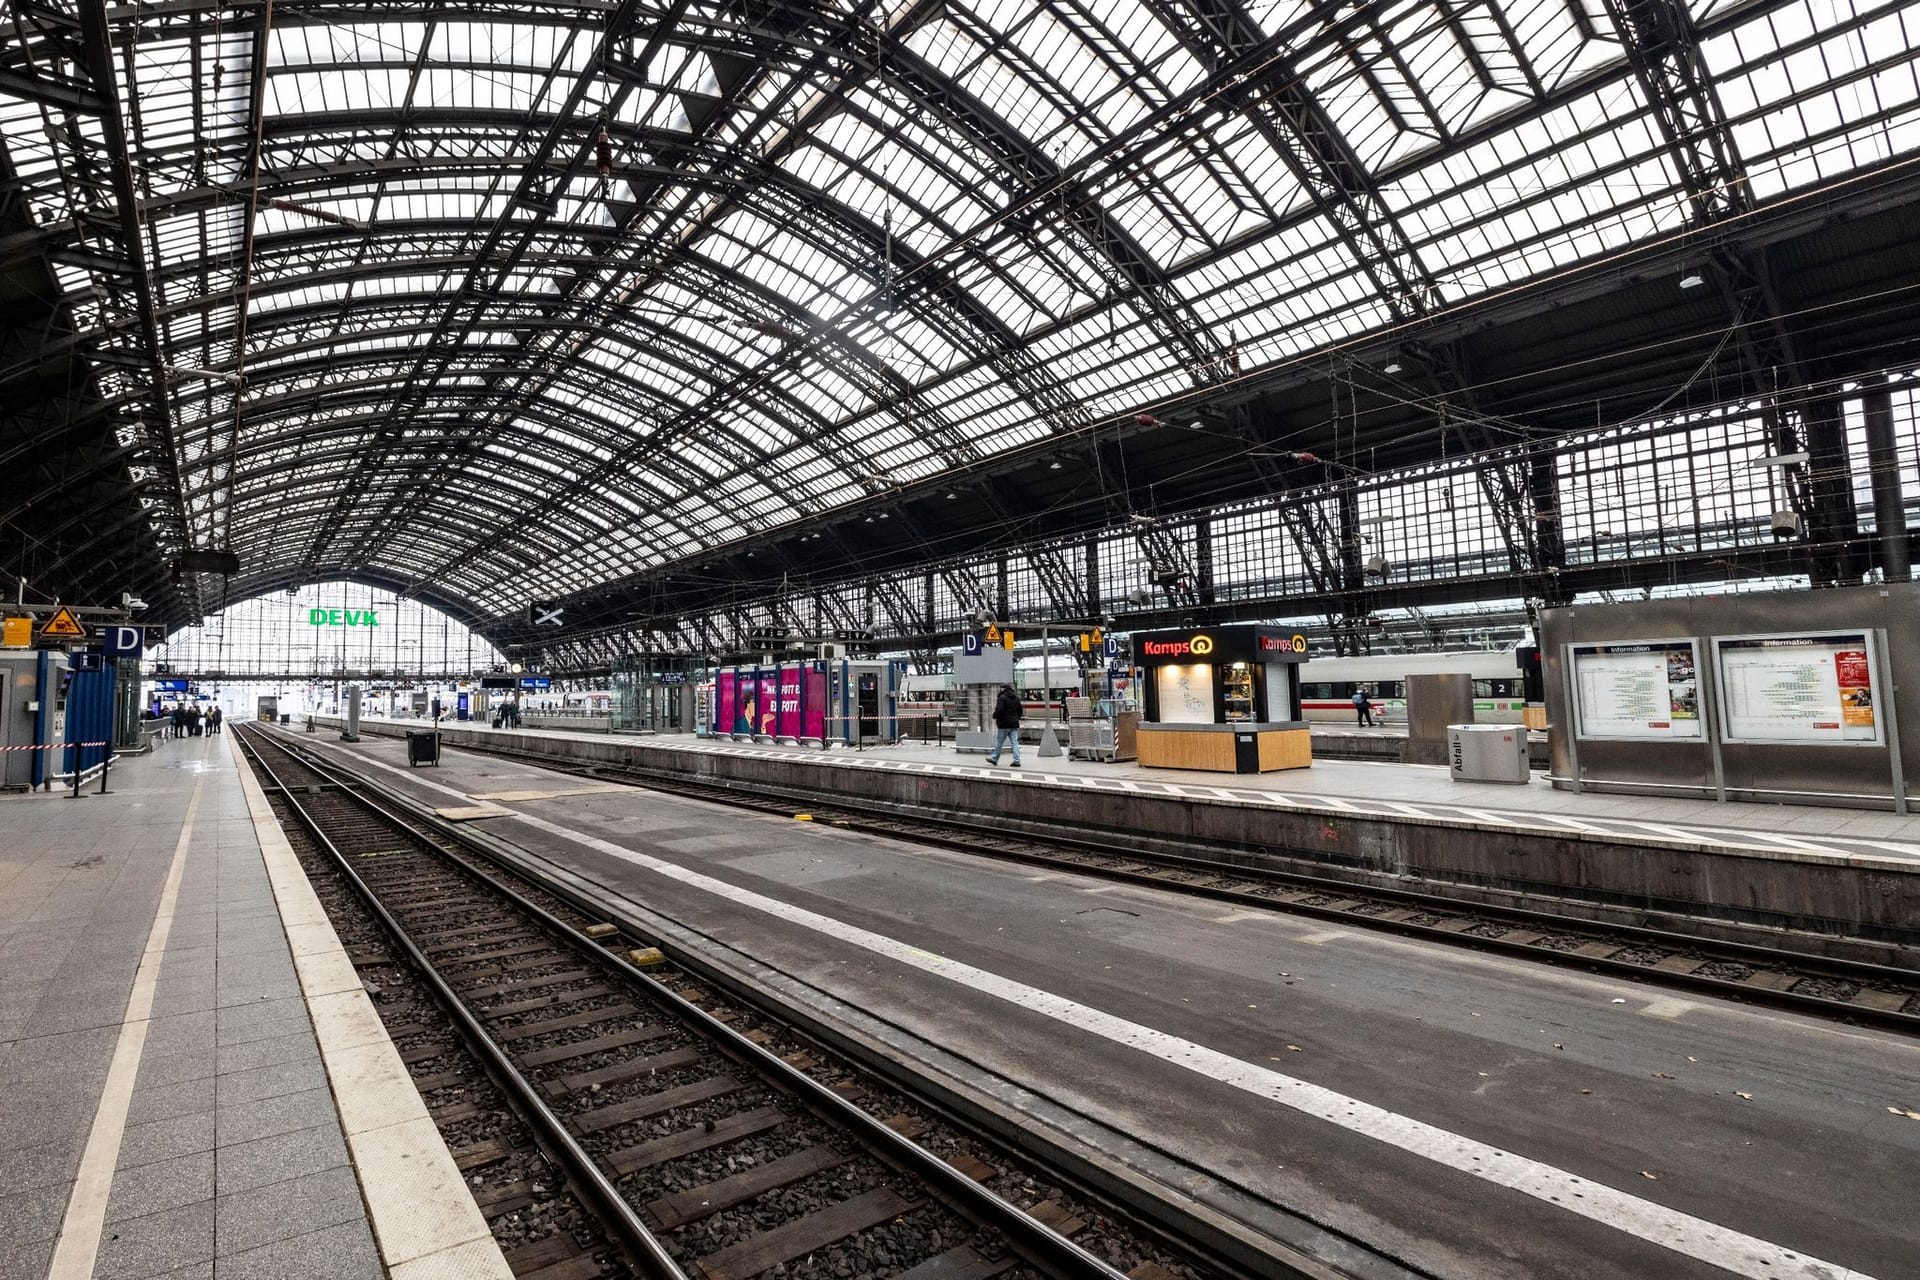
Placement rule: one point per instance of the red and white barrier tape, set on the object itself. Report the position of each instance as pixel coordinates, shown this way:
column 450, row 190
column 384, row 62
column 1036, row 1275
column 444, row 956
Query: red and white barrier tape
column 57, row 746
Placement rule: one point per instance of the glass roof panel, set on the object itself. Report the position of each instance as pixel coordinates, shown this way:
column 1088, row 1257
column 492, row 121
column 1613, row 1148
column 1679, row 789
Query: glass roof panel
column 431, row 185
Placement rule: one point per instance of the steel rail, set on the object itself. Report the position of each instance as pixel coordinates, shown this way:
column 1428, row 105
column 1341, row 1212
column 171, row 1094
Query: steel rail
column 981, row 840
column 1032, row 1239
column 641, row 1245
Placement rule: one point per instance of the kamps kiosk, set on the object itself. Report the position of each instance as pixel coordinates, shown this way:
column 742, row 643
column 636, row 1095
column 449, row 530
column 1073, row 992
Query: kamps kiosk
column 1223, row 698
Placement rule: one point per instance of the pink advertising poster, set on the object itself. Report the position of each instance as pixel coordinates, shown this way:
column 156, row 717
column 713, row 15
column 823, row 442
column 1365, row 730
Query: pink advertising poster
column 815, row 702
column 723, row 702
column 788, row 724
column 766, row 701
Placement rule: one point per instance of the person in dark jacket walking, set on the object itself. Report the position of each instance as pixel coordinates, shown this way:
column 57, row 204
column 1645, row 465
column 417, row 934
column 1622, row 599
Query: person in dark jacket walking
column 1006, row 720
column 1362, row 708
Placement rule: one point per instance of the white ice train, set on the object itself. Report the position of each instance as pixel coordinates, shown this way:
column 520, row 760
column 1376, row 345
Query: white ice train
column 1326, row 684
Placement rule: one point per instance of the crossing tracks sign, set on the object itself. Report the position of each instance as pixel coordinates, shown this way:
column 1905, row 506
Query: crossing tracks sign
column 545, row 613
column 63, row 626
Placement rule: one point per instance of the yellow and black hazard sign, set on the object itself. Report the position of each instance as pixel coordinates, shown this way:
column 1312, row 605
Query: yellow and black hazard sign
column 993, row 635
column 63, row 626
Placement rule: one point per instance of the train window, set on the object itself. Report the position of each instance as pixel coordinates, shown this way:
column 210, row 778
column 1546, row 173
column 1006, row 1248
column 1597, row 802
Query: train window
column 1393, row 689
column 1316, row 689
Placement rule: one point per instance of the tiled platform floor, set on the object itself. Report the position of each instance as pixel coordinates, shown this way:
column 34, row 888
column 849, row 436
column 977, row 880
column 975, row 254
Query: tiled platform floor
column 232, row 1161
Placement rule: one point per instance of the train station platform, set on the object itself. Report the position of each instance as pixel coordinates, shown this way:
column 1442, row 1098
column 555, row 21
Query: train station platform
column 1465, row 1116
column 1843, row 882
column 192, row 1079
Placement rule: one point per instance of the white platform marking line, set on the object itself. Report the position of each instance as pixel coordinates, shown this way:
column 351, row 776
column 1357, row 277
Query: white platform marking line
column 1332, row 802
column 1485, row 815
column 79, row 1245
column 1791, row 842
column 1670, row 1228
column 1562, row 820
column 1904, row 850
column 1664, row 832
column 1411, row 810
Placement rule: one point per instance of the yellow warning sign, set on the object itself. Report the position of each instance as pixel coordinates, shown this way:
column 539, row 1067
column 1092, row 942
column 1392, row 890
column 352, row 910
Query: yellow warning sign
column 993, row 635
column 18, row 634
column 63, row 626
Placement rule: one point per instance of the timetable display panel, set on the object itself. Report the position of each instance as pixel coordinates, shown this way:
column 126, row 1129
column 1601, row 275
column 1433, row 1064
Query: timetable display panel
column 1799, row 688
column 1639, row 690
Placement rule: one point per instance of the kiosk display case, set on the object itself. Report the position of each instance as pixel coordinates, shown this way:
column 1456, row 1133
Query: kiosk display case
column 1223, row 698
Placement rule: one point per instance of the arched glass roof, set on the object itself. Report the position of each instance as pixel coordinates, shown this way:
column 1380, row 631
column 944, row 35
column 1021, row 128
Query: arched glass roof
column 505, row 300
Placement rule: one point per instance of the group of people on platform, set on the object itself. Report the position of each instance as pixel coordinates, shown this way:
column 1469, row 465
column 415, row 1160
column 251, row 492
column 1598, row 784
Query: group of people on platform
column 184, row 721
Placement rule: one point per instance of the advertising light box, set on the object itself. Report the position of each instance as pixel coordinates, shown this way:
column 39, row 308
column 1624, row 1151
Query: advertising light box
column 1643, row 689
column 1798, row 688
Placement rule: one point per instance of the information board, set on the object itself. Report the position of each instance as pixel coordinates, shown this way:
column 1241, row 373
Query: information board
column 1646, row 689
column 1798, row 688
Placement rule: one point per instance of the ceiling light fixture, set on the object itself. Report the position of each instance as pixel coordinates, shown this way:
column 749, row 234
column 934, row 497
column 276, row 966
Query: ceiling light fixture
column 1692, row 280
column 1392, row 366
column 1054, row 465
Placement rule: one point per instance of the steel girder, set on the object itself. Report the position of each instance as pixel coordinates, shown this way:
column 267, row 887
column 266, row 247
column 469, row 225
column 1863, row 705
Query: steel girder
column 1663, row 46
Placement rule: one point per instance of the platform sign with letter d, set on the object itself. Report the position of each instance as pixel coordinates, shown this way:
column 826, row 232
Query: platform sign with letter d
column 122, row 641
column 970, row 644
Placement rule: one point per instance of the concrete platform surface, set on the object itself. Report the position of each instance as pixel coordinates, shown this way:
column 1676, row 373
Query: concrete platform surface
column 1392, row 790
column 173, row 1074
column 1478, row 1117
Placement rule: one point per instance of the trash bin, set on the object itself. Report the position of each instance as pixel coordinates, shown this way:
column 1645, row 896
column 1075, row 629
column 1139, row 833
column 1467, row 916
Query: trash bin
column 286, row 717
column 1488, row 752
column 423, row 746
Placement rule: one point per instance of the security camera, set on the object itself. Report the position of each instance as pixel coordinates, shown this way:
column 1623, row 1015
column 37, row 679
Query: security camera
column 132, row 603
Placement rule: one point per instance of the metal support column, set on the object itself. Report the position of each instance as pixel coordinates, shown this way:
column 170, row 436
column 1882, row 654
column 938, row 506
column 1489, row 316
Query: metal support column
column 1889, row 504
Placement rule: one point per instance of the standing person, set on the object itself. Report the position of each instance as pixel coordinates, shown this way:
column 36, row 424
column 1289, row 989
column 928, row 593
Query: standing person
column 214, row 717
column 193, row 721
column 1362, row 707
column 179, row 719
column 1006, row 720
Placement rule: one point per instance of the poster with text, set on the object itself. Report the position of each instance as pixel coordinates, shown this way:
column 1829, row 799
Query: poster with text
column 1647, row 689
column 814, row 721
column 1798, row 689
column 1186, row 693
column 787, row 725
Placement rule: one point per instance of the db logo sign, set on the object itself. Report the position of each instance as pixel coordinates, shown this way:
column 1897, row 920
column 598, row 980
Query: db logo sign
column 1201, row 645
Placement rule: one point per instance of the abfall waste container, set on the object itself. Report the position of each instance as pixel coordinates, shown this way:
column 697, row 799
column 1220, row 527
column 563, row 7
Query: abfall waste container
column 1487, row 752
column 423, row 746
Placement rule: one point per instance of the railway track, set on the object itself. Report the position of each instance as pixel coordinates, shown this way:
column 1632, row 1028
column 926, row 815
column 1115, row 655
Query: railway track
column 1852, row 991
column 701, row 1138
